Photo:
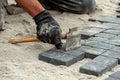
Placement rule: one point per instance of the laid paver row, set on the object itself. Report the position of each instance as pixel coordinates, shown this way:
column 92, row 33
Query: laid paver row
column 90, row 32
column 68, row 58
column 105, row 40
column 97, row 66
column 102, row 46
column 112, row 41
column 96, row 30
column 107, row 54
column 105, row 19
column 61, row 57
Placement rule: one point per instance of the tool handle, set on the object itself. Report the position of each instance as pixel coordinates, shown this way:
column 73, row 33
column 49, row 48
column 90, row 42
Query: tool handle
column 21, row 40
column 29, row 39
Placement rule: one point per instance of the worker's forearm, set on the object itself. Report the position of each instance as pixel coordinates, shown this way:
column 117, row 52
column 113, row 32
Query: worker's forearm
column 33, row 7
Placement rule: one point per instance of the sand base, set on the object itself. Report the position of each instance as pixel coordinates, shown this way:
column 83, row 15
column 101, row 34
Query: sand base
column 20, row 61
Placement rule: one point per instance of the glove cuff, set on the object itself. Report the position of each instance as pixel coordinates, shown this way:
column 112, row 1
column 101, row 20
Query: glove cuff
column 43, row 17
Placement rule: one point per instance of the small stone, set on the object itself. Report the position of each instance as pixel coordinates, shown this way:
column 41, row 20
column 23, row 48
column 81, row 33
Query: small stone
column 13, row 9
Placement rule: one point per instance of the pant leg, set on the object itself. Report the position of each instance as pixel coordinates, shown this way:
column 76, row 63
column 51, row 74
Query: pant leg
column 74, row 6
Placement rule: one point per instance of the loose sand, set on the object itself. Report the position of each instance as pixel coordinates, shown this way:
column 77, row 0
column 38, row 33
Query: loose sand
column 20, row 61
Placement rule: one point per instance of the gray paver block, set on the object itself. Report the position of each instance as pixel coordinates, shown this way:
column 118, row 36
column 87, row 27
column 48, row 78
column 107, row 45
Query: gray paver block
column 100, row 45
column 49, row 55
column 112, row 54
column 113, row 26
column 62, row 58
column 115, row 40
column 116, row 49
column 102, row 40
column 90, row 32
column 111, row 31
column 108, row 61
column 111, row 78
column 79, row 55
column 116, row 75
column 112, row 41
column 65, row 60
column 98, row 26
column 93, row 52
column 105, row 19
column 105, row 35
column 98, row 39
column 93, row 68
column 83, row 48
column 98, row 67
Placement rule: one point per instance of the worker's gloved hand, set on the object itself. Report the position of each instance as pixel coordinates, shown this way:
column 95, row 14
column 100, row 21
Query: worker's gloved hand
column 48, row 30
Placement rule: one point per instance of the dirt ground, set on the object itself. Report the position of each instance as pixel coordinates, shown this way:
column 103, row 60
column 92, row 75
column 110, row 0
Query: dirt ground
column 20, row 61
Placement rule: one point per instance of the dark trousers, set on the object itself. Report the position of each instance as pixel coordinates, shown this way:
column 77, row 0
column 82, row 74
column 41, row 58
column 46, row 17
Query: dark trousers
column 74, row 6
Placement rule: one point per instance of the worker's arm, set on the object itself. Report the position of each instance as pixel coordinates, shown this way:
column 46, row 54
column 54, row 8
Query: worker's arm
column 48, row 30
column 33, row 7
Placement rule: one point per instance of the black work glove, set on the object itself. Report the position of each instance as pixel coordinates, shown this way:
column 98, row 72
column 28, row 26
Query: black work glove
column 48, row 30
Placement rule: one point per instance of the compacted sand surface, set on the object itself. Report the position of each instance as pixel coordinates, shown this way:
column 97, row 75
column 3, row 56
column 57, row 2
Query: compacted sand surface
column 20, row 61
